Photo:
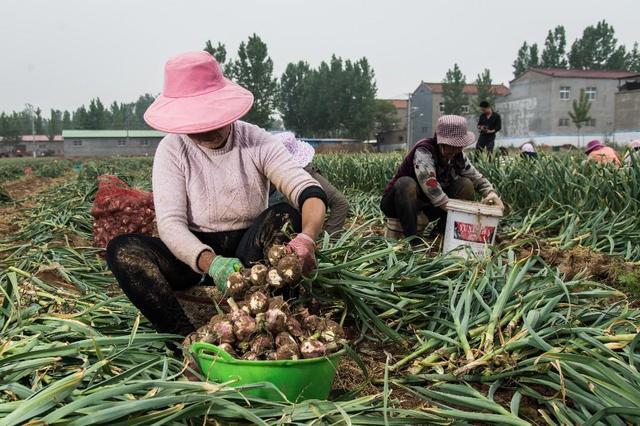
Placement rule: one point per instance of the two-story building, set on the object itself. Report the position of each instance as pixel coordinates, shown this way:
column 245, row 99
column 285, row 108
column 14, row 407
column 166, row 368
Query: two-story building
column 426, row 105
column 540, row 101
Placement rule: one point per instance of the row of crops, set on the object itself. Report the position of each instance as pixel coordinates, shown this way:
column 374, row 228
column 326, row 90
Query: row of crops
column 507, row 340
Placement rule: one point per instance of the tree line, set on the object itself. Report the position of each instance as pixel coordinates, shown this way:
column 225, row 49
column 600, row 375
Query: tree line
column 118, row 116
column 335, row 99
column 457, row 101
column 596, row 49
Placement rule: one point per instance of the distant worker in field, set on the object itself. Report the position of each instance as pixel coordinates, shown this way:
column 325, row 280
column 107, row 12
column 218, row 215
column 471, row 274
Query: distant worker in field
column 489, row 124
column 302, row 153
column 600, row 153
column 528, row 149
column 633, row 156
column 435, row 170
column 211, row 177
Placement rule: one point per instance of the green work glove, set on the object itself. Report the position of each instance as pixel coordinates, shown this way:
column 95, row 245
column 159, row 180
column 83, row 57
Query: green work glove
column 221, row 268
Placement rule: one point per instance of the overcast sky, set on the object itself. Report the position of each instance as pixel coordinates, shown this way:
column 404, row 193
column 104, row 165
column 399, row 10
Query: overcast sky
column 61, row 53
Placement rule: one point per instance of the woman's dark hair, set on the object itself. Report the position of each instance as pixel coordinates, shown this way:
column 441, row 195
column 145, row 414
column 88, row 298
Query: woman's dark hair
column 484, row 104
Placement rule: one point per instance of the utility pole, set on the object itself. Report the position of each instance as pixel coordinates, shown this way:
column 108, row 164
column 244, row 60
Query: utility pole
column 409, row 121
column 33, row 129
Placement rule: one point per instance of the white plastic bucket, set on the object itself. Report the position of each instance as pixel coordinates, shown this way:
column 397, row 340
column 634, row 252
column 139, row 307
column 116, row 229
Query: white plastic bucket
column 472, row 225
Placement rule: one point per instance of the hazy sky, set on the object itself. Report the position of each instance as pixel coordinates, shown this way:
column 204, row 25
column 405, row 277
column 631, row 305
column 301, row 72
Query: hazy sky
column 61, row 53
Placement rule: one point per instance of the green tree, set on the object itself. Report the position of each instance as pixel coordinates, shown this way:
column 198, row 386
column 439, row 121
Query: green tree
column 554, row 52
column 134, row 113
column 386, row 116
column 219, row 52
column 38, row 122
column 97, row 116
column 54, row 126
column 11, row 127
column 597, row 49
column 80, row 119
column 253, row 69
column 528, row 57
column 66, row 120
column 292, row 94
column 580, row 112
column 521, row 64
column 633, row 59
column 534, row 57
column 485, row 89
column 359, row 116
column 453, row 91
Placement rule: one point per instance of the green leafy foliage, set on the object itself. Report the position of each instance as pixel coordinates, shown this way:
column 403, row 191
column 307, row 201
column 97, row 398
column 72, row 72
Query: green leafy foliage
column 253, row 69
column 485, row 89
column 453, row 91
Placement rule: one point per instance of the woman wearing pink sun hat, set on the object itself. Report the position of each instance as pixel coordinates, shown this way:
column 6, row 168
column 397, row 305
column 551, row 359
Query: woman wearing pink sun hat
column 211, row 177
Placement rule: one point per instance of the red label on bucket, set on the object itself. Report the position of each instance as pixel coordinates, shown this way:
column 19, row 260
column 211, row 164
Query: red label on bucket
column 473, row 233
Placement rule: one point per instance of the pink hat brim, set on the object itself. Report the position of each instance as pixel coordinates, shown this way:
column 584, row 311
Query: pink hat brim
column 467, row 140
column 201, row 113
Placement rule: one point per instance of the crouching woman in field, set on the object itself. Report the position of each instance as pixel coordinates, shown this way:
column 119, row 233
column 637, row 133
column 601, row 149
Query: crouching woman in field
column 435, row 170
column 211, row 177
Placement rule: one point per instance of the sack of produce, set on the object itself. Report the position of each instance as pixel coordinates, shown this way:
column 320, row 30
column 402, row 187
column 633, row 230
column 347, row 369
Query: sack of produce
column 120, row 209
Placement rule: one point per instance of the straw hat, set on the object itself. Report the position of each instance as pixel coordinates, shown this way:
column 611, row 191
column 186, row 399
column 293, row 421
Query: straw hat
column 301, row 151
column 452, row 130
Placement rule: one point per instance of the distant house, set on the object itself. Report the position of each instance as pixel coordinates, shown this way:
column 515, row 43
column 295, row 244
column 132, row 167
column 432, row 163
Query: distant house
column 396, row 139
column 43, row 146
column 540, row 101
column 108, row 143
column 427, row 105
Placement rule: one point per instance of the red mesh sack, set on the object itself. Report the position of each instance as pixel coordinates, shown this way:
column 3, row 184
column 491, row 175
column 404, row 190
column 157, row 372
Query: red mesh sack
column 120, row 209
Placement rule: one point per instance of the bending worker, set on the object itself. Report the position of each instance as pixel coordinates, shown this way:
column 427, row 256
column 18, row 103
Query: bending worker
column 302, row 153
column 211, row 177
column 435, row 170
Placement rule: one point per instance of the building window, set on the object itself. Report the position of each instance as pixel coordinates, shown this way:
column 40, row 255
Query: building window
column 591, row 122
column 565, row 93
column 42, row 146
column 563, row 122
column 144, row 143
column 77, row 143
column 122, row 142
column 591, row 93
column 424, row 130
column 465, row 109
column 401, row 138
column 441, row 107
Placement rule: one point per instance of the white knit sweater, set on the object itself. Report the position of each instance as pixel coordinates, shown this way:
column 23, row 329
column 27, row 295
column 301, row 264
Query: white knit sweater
column 213, row 190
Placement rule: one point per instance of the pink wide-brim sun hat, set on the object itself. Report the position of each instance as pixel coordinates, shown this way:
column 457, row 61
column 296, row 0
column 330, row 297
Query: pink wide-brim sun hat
column 594, row 144
column 302, row 152
column 635, row 144
column 452, row 130
column 196, row 96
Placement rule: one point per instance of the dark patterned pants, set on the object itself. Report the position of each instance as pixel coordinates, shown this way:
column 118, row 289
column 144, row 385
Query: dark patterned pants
column 406, row 199
column 148, row 272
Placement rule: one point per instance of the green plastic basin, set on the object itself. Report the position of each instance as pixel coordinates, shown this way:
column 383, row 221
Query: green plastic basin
column 298, row 380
